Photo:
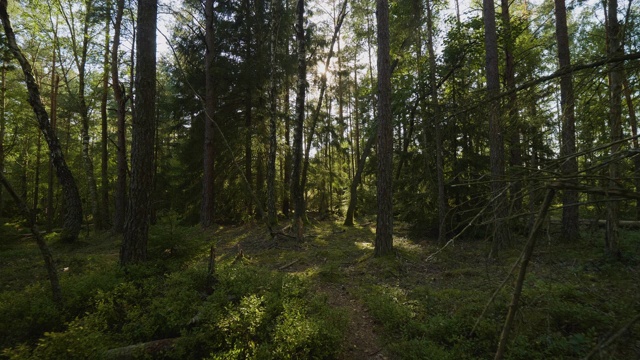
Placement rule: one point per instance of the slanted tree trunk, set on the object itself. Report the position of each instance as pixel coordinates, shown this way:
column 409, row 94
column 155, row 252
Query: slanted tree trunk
column 297, row 192
column 73, row 204
column 119, row 94
column 496, row 143
column 384, row 224
column 136, row 228
column 104, row 168
column 30, row 217
column 208, row 193
column 569, row 168
column 357, row 177
column 614, row 49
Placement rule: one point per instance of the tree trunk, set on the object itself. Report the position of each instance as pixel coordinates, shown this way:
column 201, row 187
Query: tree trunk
column 119, row 94
column 36, row 180
column 73, row 204
column 104, row 169
column 297, row 192
column 273, row 113
column 208, row 192
column 3, row 121
column 614, row 49
column 80, row 53
column 442, row 196
column 136, row 229
column 496, row 144
column 55, row 82
column 570, row 222
column 357, row 177
column 634, row 132
column 515, row 159
column 384, row 224
column 323, row 88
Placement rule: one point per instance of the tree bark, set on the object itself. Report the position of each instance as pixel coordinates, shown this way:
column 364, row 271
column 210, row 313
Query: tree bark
column 73, row 204
column 208, row 192
column 119, row 94
column 496, row 143
column 384, row 224
column 569, row 168
column 136, row 229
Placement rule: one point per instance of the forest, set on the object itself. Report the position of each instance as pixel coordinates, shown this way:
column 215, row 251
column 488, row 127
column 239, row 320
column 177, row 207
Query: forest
column 338, row 179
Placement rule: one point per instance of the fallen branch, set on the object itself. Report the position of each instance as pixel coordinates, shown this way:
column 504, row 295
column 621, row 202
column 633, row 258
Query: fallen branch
column 526, row 257
column 289, row 264
column 42, row 245
column 609, row 192
column 612, row 338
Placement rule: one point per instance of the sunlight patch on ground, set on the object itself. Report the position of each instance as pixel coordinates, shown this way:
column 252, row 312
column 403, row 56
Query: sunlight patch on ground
column 364, row 245
column 405, row 244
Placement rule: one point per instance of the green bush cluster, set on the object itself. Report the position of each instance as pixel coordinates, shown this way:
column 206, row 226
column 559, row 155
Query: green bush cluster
column 251, row 314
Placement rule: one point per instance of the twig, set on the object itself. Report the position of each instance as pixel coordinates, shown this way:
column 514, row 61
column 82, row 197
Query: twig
column 289, row 264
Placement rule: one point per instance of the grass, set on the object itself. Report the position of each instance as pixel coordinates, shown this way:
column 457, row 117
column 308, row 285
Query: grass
column 324, row 298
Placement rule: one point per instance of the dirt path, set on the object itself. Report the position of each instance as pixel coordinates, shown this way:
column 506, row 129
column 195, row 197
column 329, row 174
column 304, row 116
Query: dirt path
column 361, row 341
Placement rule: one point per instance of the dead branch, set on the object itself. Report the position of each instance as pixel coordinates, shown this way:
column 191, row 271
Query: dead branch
column 612, row 338
column 289, row 264
column 528, row 251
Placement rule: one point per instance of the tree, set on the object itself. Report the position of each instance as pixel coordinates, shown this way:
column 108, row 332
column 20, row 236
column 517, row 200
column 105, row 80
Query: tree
column 442, row 196
column 208, row 194
column 104, row 159
column 384, row 223
column 496, row 142
column 297, row 192
column 273, row 114
column 136, row 229
column 80, row 53
column 614, row 49
column 119, row 94
column 73, row 213
column 570, row 230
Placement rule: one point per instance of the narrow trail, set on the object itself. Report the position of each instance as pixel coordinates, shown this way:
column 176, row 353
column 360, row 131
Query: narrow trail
column 362, row 341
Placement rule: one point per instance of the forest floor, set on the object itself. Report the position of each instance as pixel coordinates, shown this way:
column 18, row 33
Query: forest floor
column 423, row 302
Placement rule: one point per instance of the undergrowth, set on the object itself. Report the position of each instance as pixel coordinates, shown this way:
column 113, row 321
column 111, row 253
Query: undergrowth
column 267, row 303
